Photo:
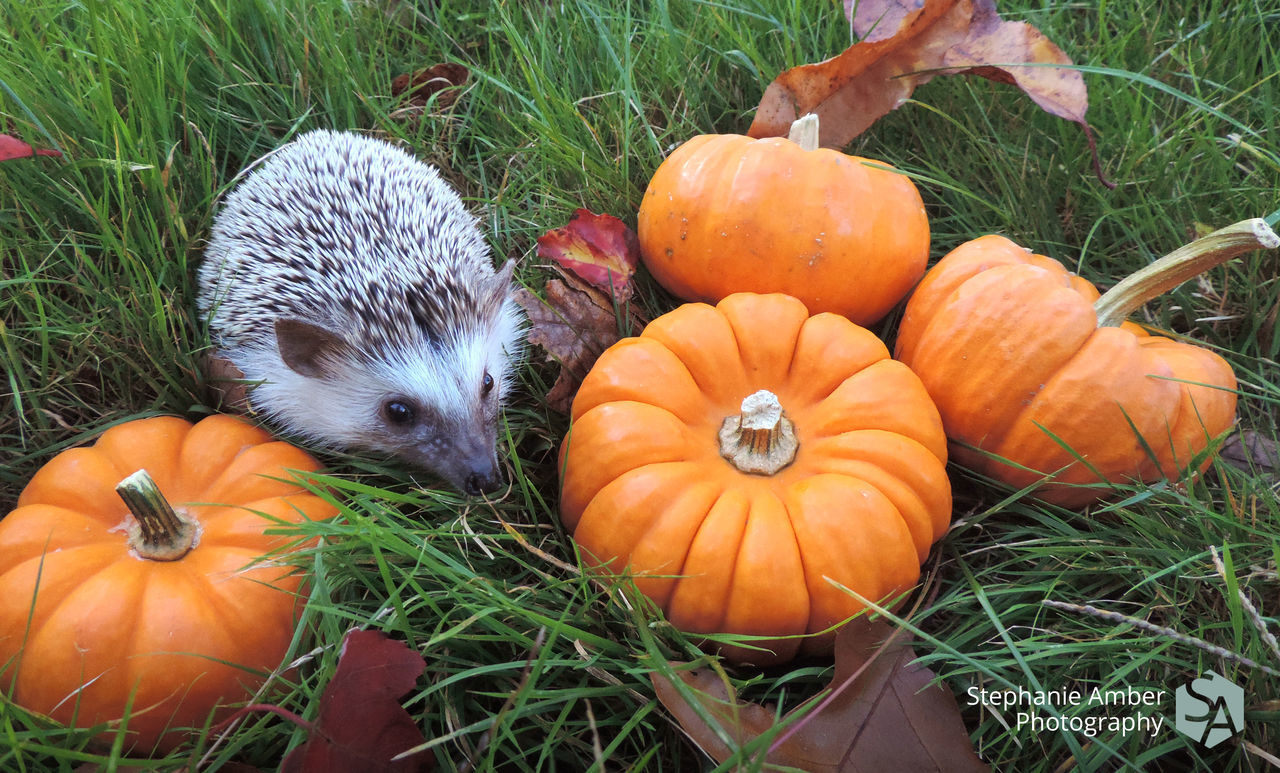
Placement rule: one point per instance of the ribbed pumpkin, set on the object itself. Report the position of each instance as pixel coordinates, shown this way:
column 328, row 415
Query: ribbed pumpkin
column 1035, row 374
column 726, row 213
column 741, row 460
column 105, row 605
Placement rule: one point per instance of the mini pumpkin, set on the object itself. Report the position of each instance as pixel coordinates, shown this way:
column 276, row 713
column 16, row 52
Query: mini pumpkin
column 1036, row 375
column 108, row 607
column 744, row 461
column 726, row 213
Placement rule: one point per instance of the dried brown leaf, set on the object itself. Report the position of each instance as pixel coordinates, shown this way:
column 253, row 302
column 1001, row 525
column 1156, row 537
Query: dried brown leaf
column 994, row 48
column 882, row 713
column 226, row 383
column 1251, row 451
column 362, row 724
column 442, row 80
column 574, row 325
column 904, row 44
column 739, row 720
column 851, row 91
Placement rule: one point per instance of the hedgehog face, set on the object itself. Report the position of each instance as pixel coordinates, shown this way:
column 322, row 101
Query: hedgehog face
column 436, row 406
column 441, row 402
column 460, row 447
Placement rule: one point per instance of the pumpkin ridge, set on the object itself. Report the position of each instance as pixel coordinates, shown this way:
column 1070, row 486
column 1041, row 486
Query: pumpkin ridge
column 996, row 430
column 658, row 396
column 76, row 595
column 680, row 576
column 800, row 553
column 1137, row 406
column 1175, row 430
column 140, row 663
column 893, row 533
column 835, row 458
column 698, row 334
column 1188, row 422
column 108, row 562
column 258, row 541
column 34, row 624
column 767, row 499
column 17, row 548
column 223, row 612
column 677, row 505
column 628, row 464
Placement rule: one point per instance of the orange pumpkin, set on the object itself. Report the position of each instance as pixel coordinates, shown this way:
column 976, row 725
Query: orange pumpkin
column 746, row 518
column 163, row 614
column 728, row 213
column 1035, row 375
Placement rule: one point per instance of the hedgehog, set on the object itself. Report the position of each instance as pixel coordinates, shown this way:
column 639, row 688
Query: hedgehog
column 350, row 286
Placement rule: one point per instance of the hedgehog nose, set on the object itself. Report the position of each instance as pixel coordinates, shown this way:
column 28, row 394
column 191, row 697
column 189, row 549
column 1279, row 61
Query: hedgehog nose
column 480, row 482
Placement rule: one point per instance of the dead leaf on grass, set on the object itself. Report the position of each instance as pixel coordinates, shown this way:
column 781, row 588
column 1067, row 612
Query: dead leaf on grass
column 1251, row 451
column 361, row 724
column 574, row 327
column 600, row 249
column 12, row 148
column 441, row 80
column 905, row 43
column 880, row 714
column 596, row 257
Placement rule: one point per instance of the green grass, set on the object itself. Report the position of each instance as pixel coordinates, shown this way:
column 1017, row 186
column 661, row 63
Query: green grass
column 158, row 103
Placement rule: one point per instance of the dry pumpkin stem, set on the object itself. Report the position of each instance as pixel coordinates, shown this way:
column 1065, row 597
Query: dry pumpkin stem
column 1189, row 260
column 804, row 131
column 761, row 440
column 160, row 533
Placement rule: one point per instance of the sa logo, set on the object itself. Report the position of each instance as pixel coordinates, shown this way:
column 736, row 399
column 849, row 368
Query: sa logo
column 1209, row 709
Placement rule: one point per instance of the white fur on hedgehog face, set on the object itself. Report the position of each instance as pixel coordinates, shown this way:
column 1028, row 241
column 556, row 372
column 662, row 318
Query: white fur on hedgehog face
column 455, row 390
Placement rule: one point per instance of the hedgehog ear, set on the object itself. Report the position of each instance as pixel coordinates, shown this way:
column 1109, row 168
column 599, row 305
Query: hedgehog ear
column 496, row 290
column 500, row 285
column 308, row 349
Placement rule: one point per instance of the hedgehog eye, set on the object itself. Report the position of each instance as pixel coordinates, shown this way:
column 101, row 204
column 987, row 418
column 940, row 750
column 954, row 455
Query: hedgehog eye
column 398, row 412
column 486, row 384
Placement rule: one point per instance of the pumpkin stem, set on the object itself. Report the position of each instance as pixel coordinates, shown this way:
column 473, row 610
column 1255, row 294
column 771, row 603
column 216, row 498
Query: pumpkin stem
column 804, row 131
column 159, row 532
column 1115, row 306
column 760, row 440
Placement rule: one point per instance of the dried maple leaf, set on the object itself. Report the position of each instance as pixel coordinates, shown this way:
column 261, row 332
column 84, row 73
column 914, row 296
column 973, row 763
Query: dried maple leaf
column 361, row 724
column 11, row 147
column 573, row 325
column 905, row 43
column 442, row 80
column 597, row 256
column 599, row 249
column 882, row 713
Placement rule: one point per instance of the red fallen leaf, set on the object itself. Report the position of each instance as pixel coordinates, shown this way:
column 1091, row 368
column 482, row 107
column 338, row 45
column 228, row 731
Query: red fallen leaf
column 361, row 724
column 442, row 79
column 881, row 713
column 574, row 325
column 599, row 249
column 905, row 43
column 11, row 147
